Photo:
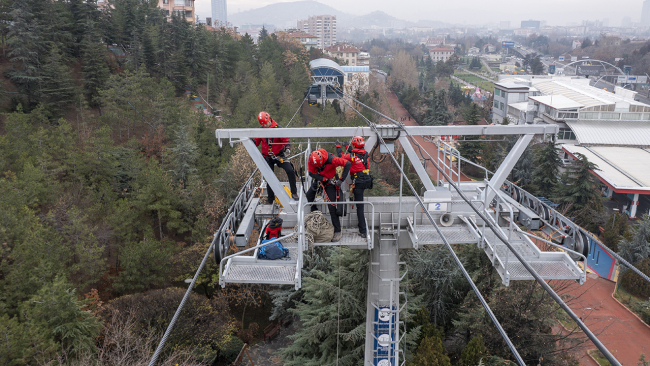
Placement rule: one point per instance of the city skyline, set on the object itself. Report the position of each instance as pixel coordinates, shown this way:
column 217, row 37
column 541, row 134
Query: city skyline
column 468, row 12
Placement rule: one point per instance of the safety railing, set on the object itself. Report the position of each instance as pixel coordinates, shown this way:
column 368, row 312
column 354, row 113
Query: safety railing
column 222, row 279
column 495, row 221
column 449, row 153
column 233, row 217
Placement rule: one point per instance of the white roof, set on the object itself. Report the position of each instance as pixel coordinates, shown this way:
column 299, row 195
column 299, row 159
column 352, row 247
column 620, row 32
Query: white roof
column 621, row 167
column 557, row 101
column 624, row 133
column 522, row 106
column 579, row 91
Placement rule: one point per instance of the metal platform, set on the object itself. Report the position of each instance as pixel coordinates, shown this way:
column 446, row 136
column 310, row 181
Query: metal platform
column 276, row 274
column 549, row 265
column 349, row 237
column 455, row 235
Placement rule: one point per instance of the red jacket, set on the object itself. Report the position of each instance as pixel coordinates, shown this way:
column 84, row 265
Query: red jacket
column 277, row 144
column 328, row 170
column 356, row 157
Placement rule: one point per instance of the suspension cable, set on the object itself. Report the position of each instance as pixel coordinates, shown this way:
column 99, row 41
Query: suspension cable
column 499, row 235
column 526, row 265
column 608, row 250
column 446, row 242
column 297, row 110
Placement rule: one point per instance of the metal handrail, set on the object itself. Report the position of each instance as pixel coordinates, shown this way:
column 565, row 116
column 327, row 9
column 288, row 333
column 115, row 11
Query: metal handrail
column 222, row 281
column 496, row 224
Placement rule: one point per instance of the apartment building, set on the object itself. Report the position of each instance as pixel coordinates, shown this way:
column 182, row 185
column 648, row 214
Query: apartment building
column 440, row 54
column 321, row 26
column 184, row 8
column 344, row 52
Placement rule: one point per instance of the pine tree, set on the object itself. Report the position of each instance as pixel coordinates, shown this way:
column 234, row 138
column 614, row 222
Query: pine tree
column 183, row 154
column 637, row 248
column 474, row 352
column 55, row 306
column 431, row 352
column 471, row 149
column 27, row 49
column 94, row 66
column 315, row 343
column 57, row 87
column 578, row 187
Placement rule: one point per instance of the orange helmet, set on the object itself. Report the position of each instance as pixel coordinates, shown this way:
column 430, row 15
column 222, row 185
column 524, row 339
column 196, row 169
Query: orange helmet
column 318, row 157
column 357, row 141
column 263, row 117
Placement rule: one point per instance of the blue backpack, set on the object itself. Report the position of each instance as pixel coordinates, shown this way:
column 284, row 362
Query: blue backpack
column 272, row 251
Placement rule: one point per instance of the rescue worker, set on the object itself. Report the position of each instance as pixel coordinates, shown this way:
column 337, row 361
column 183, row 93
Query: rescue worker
column 322, row 168
column 276, row 151
column 360, row 174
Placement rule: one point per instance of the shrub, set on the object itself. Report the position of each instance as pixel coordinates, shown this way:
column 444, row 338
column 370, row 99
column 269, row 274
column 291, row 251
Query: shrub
column 636, row 285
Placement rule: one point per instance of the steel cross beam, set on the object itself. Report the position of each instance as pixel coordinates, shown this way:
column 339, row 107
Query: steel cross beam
column 417, row 164
column 234, row 134
column 506, row 166
column 271, row 180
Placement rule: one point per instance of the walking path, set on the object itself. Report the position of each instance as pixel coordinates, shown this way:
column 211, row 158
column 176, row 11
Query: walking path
column 489, row 69
column 399, row 111
column 478, row 75
column 625, row 335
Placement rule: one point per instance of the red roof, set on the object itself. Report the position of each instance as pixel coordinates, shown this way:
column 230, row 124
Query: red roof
column 341, row 48
column 301, row 35
column 441, row 49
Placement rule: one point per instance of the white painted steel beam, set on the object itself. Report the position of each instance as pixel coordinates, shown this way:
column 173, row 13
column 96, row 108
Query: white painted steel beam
column 240, row 133
column 268, row 174
column 506, row 166
column 417, row 164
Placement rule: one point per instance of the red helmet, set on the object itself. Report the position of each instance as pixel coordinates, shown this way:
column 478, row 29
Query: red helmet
column 263, row 117
column 318, row 157
column 357, row 141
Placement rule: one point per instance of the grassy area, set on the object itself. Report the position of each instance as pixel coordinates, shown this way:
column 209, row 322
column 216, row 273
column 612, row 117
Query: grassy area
column 475, row 80
column 598, row 356
column 633, row 303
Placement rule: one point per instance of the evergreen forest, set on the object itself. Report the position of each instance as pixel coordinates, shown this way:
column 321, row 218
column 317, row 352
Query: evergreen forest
column 112, row 185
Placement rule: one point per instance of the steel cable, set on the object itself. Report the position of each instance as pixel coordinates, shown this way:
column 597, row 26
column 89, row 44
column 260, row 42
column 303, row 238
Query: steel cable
column 446, row 242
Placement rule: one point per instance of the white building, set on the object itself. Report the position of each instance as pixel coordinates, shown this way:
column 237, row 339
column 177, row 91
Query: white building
column 440, row 54
column 308, row 40
column 611, row 129
column 322, row 26
column 344, row 52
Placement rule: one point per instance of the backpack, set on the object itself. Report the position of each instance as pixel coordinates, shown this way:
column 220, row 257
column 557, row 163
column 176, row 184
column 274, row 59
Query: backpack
column 273, row 229
column 272, row 251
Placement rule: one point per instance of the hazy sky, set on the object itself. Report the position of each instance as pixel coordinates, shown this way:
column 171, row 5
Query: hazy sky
column 556, row 12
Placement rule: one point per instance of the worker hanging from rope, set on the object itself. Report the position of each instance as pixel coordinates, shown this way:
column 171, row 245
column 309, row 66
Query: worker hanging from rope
column 322, row 168
column 276, row 151
column 360, row 174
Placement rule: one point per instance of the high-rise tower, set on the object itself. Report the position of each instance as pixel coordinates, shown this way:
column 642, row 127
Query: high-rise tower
column 219, row 13
column 645, row 14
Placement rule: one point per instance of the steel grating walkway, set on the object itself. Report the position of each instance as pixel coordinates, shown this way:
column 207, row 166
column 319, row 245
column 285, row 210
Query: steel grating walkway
column 252, row 273
column 548, row 270
column 454, row 234
column 348, row 237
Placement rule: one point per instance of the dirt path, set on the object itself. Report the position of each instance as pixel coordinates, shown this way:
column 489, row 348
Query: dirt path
column 618, row 329
column 399, row 111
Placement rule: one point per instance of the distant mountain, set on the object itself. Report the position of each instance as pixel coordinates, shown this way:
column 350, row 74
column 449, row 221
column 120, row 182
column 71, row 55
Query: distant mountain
column 285, row 15
column 373, row 20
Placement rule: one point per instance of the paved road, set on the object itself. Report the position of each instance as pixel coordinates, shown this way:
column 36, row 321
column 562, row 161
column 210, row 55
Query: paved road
column 429, row 147
column 624, row 335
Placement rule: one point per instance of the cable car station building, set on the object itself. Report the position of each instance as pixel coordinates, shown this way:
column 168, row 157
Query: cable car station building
column 611, row 129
